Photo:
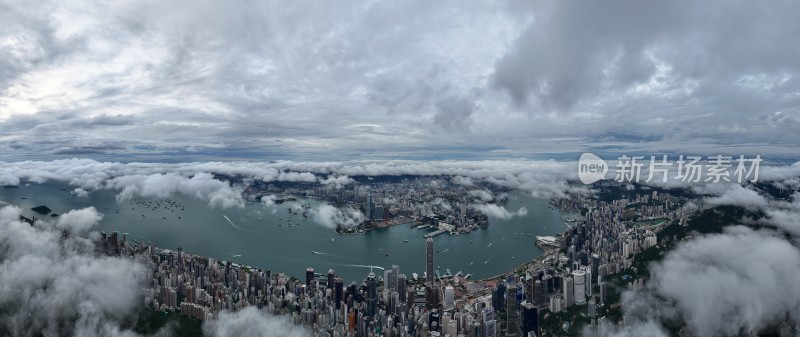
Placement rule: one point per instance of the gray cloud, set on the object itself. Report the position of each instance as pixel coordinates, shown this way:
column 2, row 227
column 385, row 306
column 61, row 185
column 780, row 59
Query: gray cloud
column 251, row 322
column 332, row 217
column 395, row 79
column 201, row 186
column 738, row 280
column 499, row 211
column 54, row 286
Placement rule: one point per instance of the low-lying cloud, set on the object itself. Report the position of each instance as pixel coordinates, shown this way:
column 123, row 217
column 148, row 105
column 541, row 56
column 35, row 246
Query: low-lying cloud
column 56, row 286
column 500, row 212
column 252, row 322
column 331, row 216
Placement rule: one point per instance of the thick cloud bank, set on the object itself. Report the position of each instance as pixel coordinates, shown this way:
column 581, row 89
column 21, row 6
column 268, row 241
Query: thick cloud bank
column 740, row 280
column 56, row 286
column 544, row 178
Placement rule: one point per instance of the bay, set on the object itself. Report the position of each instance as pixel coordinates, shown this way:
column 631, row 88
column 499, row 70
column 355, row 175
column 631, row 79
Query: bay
column 260, row 236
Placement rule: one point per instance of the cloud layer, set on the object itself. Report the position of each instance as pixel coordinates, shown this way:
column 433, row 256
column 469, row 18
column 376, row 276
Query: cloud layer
column 155, row 81
column 57, row 286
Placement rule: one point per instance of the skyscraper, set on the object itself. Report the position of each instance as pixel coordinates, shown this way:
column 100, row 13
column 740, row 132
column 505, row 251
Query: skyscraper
column 309, row 276
column 568, row 292
column 369, row 206
column 449, row 298
column 530, row 319
column 579, row 277
column 338, row 292
column 512, row 325
column 331, row 276
column 429, row 261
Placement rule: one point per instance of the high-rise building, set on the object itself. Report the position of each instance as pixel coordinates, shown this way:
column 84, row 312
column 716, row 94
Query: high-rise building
column 309, row 276
column 379, row 213
column 530, row 319
column 395, row 275
column 449, row 298
column 568, row 291
column 369, row 206
column 429, row 260
column 490, row 328
column 555, row 303
column 602, row 287
column 372, row 294
column 338, row 292
column 512, row 324
column 579, row 291
column 402, row 288
column 331, row 277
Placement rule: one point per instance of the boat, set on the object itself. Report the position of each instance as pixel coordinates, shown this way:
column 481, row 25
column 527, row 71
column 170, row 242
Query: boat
column 316, row 252
column 406, row 241
column 387, row 254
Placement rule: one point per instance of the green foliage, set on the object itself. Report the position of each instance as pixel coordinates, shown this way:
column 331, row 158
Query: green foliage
column 151, row 321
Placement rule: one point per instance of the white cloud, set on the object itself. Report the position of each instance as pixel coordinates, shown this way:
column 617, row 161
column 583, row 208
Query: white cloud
column 269, row 200
column 740, row 279
column 251, row 322
column 79, row 221
column 466, row 181
column 482, row 195
column 56, row 286
column 80, row 192
column 337, row 181
column 201, row 186
column 500, row 212
column 331, row 216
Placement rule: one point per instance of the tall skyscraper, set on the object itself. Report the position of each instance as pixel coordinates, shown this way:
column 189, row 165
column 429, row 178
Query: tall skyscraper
column 512, row 325
column 449, row 298
column 579, row 291
column 568, row 292
column 429, row 261
column 338, row 292
column 530, row 319
column 372, row 294
column 369, row 206
column 331, row 277
column 309, row 276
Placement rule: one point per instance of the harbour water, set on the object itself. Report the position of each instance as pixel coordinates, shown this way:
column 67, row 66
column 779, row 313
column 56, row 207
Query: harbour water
column 261, row 236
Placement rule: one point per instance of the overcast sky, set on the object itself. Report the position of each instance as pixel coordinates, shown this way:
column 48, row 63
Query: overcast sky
column 328, row 80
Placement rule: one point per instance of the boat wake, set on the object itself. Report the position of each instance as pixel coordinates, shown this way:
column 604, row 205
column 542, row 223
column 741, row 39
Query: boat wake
column 364, row 266
column 234, row 225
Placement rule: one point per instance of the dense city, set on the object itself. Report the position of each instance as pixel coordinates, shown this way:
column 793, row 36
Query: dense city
column 604, row 232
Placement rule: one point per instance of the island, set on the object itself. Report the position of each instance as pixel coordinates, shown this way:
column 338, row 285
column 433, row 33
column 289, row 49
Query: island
column 41, row 209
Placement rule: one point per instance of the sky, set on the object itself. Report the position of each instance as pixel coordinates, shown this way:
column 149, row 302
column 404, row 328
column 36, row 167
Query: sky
column 171, row 81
